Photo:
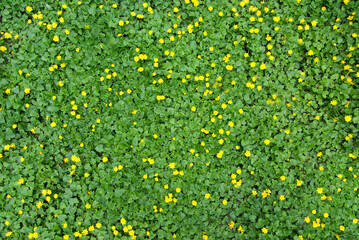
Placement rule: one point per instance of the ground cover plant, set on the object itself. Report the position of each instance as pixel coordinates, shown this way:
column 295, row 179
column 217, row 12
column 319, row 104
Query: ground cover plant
column 202, row 119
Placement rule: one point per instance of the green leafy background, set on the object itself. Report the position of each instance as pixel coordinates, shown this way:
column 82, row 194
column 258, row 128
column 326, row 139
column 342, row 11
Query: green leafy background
column 306, row 105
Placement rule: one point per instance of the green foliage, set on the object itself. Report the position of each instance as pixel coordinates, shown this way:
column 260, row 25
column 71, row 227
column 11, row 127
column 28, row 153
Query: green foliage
column 179, row 119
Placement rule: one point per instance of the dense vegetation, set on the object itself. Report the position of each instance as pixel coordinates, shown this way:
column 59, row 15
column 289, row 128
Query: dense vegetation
column 202, row 119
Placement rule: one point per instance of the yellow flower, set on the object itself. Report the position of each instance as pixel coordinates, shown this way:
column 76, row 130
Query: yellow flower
column 299, row 183
column 310, row 53
column 267, row 142
column 7, row 35
column 29, row 9
column 342, row 228
column 44, row 192
column 160, row 97
column 220, row 154
column 194, row 203
column 231, row 224
column 193, row 109
column 39, row 204
column 348, row 118
column 240, row 229
column 247, row 153
column 205, row 236
column 123, row 221
column 266, row 193
column 55, row 39
column 229, row 67
column 224, row 202
column 21, row 181
column 265, row 230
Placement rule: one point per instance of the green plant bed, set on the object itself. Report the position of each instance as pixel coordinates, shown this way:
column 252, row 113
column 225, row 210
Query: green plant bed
column 179, row 119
